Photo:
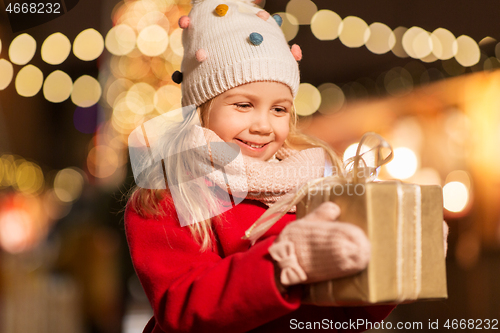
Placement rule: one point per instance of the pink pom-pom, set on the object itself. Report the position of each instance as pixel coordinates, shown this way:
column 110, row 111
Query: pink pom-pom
column 263, row 15
column 296, row 52
column 201, row 55
column 184, row 22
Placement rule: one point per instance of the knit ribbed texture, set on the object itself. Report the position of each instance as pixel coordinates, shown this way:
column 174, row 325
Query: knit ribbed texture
column 326, row 249
column 232, row 60
column 265, row 181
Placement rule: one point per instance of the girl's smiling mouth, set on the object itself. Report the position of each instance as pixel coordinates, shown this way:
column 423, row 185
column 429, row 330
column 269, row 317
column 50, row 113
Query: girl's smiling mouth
column 253, row 145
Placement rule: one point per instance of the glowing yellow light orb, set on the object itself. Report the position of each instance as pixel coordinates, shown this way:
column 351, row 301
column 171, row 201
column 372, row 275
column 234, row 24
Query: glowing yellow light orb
column 308, row 99
column 303, row 10
column 404, row 165
column 455, row 196
column 354, row 32
column 152, row 40
column 86, row 91
column 325, row 24
column 22, row 49
column 381, row 40
column 468, row 53
column 57, row 87
column 56, row 49
column 6, row 73
column 88, row 45
column 29, row 81
column 448, row 45
column 68, row 185
column 120, row 40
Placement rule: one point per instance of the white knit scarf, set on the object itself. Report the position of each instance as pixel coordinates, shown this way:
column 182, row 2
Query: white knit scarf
column 266, row 181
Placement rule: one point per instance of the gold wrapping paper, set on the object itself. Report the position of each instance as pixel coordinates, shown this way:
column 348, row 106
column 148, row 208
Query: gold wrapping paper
column 404, row 225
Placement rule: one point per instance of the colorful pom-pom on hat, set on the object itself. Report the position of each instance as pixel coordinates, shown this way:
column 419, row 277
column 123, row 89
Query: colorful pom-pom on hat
column 263, row 15
column 221, row 9
column 278, row 19
column 228, row 43
column 255, row 38
column 184, row 22
column 177, row 77
column 296, row 52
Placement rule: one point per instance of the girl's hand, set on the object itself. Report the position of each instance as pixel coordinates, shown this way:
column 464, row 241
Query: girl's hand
column 318, row 248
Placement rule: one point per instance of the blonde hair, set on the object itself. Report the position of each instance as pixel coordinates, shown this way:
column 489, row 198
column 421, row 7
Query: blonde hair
column 147, row 203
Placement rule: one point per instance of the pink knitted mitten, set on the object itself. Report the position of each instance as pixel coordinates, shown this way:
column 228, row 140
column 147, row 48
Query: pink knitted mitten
column 318, row 248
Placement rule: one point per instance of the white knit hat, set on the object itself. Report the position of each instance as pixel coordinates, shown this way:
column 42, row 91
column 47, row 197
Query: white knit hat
column 230, row 43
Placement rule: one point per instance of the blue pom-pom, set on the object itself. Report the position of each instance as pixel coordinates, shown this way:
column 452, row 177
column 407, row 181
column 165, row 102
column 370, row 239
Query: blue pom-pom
column 278, row 19
column 177, row 77
column 256, row 38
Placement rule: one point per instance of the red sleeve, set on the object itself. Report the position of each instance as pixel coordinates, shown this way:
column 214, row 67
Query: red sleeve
column 201, row 292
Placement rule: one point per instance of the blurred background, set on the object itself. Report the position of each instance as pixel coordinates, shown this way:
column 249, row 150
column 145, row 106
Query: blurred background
column 422, row 74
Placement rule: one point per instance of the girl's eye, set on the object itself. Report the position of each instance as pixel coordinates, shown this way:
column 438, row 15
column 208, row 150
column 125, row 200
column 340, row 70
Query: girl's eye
column 242, row 105
column 280, row 110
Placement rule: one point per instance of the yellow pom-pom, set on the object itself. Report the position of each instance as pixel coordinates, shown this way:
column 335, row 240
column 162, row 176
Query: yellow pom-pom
column 221, row 9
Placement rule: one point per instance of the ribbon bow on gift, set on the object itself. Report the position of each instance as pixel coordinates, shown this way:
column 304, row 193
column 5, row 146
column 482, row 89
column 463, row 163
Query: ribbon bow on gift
column 361, row 168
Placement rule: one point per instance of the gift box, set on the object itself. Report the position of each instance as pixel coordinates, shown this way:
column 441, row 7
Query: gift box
column 404, row 225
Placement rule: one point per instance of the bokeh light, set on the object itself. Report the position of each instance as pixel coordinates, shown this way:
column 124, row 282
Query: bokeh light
column 6, row 73
column 167, row 98
column 353, row 32
column 29, row 177
column 116, row 88
column 22, row 49
column 290, row 25
column 455, row 196
column 15, row 230
column 8, row 168
column 417, row 42
column 303, row 10
column 398, row 81
column 351, row 151
column 133, row 68
column 152, row 40
column 325, row 24
column 459, row 176
column 29, row 81
column 55, row 49
column 120, row 40
column 404, row 164
column 176, row 42
column 102, row 161
column 86, row 91
column 381, row 40
column 468, row 53
column 448, row 46
column 57, row 87
column 332, row 98
column 88, row 45
column 308, row 99
column 68, row 184
column 398, row 48
column 153, row 17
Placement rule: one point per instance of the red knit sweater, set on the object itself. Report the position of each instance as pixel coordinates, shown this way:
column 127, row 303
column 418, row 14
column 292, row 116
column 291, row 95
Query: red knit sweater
column 229, row 289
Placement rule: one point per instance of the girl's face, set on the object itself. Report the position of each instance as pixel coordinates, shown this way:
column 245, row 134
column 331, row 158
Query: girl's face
column 255, row 116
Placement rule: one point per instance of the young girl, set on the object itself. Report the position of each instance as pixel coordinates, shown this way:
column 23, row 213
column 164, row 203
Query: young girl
column 241, row 74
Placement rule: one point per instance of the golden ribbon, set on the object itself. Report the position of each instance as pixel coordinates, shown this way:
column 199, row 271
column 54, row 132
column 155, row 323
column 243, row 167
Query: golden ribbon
column 356, row 170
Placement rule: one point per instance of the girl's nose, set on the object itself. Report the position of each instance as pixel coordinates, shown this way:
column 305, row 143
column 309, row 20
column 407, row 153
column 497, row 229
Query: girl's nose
column 261, row 123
